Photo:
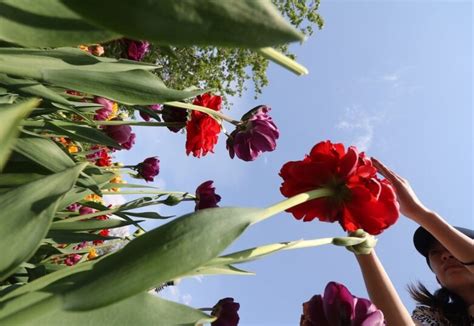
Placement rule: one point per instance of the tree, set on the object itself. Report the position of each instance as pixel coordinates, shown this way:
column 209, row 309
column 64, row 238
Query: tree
column 225, row 69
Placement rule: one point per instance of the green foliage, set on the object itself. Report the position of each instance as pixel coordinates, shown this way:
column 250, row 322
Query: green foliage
column 226, row 69
column 11, row 116
column 246, row 23
column 50, row 271
column 22, row 227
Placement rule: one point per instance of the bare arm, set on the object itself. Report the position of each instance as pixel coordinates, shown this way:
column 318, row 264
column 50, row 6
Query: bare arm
column 381, row 290
column 458, row 244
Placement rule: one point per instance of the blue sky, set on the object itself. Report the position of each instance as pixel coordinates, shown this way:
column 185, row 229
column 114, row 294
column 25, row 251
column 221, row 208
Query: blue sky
column 394, row 79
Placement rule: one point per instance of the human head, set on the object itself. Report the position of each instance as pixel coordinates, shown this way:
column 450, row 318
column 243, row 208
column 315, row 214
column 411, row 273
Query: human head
column 449, row 271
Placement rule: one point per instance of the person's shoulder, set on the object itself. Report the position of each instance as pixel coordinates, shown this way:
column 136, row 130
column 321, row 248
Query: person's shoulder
column 427, row 316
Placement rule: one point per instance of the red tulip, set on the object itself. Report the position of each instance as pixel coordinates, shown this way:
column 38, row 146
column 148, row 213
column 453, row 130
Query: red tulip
column 202, row 131
column 360, row 201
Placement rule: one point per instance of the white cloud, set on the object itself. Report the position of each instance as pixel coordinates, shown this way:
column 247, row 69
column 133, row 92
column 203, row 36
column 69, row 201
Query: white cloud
column 360, row 125
column 393, row 77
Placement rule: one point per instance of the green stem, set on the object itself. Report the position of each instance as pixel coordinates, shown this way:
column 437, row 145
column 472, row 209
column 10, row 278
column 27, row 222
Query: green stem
column 42, row 123
column 149, row 192
column 282, row 60
column 217, row 115
column 88, row 216
column 296, row 200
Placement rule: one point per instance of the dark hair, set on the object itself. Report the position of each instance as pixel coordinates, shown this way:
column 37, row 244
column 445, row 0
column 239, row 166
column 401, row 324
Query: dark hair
column 446, row 303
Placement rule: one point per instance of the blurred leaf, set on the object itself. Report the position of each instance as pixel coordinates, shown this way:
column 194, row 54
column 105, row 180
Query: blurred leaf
column 46, row 23
column 74, row 195
column 65, row 236
column 259, row 252
column 8, row 98
column 17, row 179
column 45, row 152
column 243, row 23
column 89, row 225
column 30, row 63
column 132, row 87
column 48, row 279
column 10, row 117
column 83, row 134
column 153, row 215
column 27, row 212
column 31, row 87
column 162, row 254
column 141, row 309
column 219, row 270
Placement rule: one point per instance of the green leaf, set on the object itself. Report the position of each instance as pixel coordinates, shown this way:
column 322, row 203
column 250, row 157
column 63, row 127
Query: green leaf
column 132, row 87
column 89, row 225
column 219, row 270
column 31, row 87
column 64, row 236
column 83, row 134
column 243, row 23
column 46, row 23
column 160, row 255
column 8, row 180
column 48, row 279
column 10, row 117
column 141, row 309
column 45, row 152
column 153, row 215
column 30, row 63
column 8, row 98
column 27, row 212
column 259, row 252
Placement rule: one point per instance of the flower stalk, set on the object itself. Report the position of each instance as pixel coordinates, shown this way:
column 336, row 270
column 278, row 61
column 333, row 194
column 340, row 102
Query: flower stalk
column 215, row 114
column 282, row 60
column 296, row 200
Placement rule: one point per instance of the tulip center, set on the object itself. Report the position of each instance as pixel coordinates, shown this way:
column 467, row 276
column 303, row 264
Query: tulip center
column 341, row 192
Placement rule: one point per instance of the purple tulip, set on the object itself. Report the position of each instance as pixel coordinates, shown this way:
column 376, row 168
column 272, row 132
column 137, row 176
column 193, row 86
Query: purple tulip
column 74, row 207
column 171, row 114
column 256, row 134
column 72, row 259
column 136, row 50
column 154, row 107
column 122, row 134
column 107, row 108
column 226, row 312
column 206, row 196
column 149, row 168
column 340, row 307
column 84, row 210
column 130, row 142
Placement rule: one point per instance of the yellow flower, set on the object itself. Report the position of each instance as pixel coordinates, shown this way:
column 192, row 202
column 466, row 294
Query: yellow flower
column 117, row 179
column 114, row 112
column 73, row 149
column 94, row 198
column 84, row 48
column 92, row 254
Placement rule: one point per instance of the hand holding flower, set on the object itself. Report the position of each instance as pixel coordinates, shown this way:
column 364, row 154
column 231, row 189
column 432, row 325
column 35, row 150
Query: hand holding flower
column 410, row 205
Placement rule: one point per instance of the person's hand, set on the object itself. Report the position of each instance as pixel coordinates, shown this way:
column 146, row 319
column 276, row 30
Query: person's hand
column 410, row 205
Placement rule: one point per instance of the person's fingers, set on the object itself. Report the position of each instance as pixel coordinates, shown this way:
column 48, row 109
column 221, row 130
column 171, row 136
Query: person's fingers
column 386, row 172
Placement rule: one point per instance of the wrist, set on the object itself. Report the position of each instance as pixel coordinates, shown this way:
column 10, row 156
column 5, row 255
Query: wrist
column 421, row 214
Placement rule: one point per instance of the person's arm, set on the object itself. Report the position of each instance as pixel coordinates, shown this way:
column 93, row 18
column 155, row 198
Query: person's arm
column 381, row 290
column 458, row 244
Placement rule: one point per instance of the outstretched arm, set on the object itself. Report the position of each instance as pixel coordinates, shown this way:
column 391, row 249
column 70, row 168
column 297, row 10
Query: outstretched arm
column 458, row 244
column 381, row 290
